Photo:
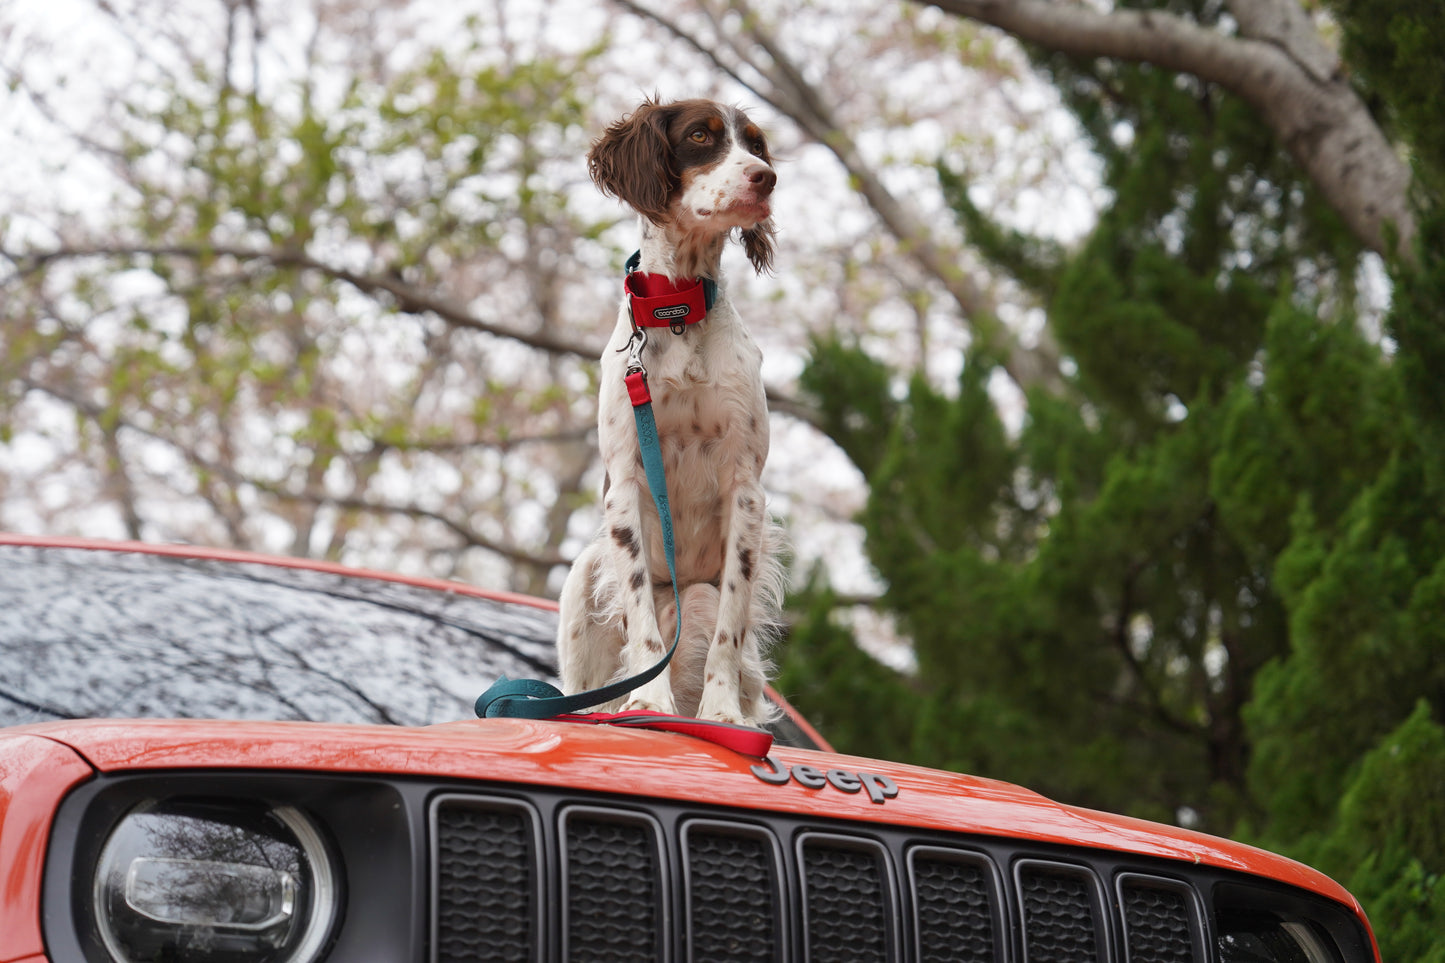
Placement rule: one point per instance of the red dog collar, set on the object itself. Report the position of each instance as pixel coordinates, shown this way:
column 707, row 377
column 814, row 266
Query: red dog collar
column 659, row 303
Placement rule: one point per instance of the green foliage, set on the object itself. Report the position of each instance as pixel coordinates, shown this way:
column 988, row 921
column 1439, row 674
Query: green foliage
column 1418, row 323
column 1033, row 261
column 1349, row 751
column 1365, row 645
column 1223, row 549
column 867, row 709
column 1091, row 598
column 1393, row 46
column 1210, row 578
column 1404, row 902
column 1349, row 754
column 1388, row 842
column 1393, row 50
column 855, row 397
column 1395, row 801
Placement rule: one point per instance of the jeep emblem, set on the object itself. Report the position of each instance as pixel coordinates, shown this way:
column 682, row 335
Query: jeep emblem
column 879, row 787
column 670, row 312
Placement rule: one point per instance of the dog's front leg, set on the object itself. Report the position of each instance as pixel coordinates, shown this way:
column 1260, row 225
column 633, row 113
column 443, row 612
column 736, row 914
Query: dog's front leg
column 742, row 562
column 644, row 646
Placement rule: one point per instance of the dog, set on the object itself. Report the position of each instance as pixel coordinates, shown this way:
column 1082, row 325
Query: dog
column 696, row 172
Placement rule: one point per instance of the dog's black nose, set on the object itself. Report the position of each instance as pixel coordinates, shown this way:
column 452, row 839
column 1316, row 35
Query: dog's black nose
column 762, row 178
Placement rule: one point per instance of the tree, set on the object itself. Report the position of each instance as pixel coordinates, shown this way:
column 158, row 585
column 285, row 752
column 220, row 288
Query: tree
column 1084, row 587
column 1276, row 62
column 315, row 293
column 1209, row 589
column 1363, row 685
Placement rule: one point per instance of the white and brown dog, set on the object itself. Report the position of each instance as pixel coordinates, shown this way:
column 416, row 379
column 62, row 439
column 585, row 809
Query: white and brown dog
column 695, row 171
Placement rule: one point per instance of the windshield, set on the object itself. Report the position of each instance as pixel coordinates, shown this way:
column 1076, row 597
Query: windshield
column 88, row 634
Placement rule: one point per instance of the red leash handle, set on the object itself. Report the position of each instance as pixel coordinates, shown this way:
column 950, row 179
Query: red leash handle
column 749, row 742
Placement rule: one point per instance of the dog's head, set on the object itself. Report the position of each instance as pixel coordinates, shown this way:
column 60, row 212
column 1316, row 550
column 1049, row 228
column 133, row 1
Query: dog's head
column 696, row 164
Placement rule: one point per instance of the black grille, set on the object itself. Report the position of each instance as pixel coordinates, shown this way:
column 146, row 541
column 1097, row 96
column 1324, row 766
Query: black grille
column 484, row 885
column 955, row 909
column 612, row 892
column 546, row 877
column 1158, row 923
column 1059, row 922
column 733, row 898
column 846, row 901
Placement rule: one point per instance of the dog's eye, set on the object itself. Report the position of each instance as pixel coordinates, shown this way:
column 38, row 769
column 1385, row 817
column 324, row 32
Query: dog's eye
column 758, row 148
column 699, row 136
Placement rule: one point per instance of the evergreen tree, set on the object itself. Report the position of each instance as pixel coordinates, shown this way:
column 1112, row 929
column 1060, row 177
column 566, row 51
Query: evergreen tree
column 1091, row 599
column 1208, row 581
column 1350, row 756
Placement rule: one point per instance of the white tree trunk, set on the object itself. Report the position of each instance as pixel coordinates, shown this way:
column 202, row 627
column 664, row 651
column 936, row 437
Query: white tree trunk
column 1277, row 63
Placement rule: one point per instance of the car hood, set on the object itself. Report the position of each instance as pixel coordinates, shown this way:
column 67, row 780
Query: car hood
column 657, row 764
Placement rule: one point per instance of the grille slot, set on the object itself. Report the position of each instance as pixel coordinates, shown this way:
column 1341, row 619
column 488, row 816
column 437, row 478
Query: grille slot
column 732, row 897
column 1060, row 916
column 485, row 883
column 1158, row 922
column 846, row 900
column 953, row 896
column 613, row 892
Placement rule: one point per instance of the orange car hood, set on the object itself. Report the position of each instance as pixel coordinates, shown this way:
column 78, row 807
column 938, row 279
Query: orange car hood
column 657, row 764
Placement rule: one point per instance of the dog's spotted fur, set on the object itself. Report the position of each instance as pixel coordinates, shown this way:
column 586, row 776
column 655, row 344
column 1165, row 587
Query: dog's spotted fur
column 696, row 172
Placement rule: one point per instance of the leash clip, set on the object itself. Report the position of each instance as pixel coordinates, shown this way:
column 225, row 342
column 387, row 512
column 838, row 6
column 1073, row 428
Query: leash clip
column 634, row 349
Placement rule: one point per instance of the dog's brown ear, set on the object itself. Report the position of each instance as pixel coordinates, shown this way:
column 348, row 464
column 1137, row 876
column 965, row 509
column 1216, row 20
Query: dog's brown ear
column 632, row 161
column 758, row 243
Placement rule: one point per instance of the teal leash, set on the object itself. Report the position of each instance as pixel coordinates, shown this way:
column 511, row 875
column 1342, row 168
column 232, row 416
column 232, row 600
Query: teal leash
column 535, row 699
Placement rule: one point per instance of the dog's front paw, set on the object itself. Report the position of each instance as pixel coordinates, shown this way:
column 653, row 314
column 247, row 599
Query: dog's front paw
column 637, row 704
column 732, row 720
column 719, row 705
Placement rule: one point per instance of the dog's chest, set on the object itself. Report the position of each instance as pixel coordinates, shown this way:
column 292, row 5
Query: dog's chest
column 713, row 436
column 715, row 356
column 702, row 382
column 694, row 414
column 707, row 401
column 712, row 426
column 710, row 412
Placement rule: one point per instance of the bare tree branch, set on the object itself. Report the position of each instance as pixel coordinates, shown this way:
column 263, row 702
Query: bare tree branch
column 788, row 405
column 1278, row 65
column 470, row 536
column 408, row 298
column 225, row 468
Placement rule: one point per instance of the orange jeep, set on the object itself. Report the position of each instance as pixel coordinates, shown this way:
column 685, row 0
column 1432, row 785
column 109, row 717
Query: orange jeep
column 217, row 757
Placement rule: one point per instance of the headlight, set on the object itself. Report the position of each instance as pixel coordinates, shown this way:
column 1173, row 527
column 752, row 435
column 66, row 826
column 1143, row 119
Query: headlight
column 215, row 881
